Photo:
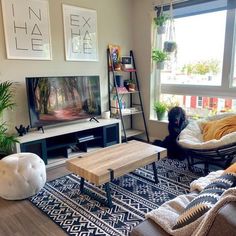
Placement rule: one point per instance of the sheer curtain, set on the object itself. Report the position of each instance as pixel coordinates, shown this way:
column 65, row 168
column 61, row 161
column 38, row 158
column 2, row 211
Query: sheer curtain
column 155, row 90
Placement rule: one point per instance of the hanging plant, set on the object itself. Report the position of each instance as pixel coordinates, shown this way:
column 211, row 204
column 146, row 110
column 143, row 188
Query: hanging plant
column 170, row 44
column 160, row 22
column 159, row 57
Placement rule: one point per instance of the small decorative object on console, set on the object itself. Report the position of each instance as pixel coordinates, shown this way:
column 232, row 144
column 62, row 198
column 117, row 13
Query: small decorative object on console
column 106, row 114
column 22, row 130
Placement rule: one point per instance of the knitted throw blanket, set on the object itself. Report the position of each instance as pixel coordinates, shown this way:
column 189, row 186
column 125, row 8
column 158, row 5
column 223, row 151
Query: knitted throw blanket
column 167, row 214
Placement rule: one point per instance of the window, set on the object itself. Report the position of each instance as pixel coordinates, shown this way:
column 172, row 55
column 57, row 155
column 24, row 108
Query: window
column 199, row 102
column 204, row 68
column 199, row 56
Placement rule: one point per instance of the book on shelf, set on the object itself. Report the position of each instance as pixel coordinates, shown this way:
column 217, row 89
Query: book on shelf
column 120, row 90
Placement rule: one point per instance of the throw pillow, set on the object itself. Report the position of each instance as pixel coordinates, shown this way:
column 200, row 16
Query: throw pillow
column 231, row 169
column 216, row 129
column 206, row 199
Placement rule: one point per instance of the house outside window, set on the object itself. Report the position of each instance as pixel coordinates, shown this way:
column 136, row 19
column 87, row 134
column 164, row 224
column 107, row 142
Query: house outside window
column 203, row 73
column 199, row 102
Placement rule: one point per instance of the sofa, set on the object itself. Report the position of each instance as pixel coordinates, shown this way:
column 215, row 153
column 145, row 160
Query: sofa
column 224, row 224
column 220, row 219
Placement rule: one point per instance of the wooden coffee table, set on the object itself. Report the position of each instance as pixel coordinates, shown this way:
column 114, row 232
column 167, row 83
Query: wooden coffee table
column 102, row 166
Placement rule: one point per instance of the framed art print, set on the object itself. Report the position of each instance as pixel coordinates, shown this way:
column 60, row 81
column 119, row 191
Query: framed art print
column 27, row 29
column 80, row 33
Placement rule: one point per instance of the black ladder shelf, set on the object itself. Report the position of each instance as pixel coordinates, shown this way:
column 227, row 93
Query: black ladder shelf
column 113, row 91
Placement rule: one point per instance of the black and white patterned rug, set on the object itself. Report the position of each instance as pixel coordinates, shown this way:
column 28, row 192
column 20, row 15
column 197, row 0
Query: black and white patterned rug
column 79, row 214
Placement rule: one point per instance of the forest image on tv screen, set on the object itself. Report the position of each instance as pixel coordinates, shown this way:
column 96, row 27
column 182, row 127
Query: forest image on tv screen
column 60, row 99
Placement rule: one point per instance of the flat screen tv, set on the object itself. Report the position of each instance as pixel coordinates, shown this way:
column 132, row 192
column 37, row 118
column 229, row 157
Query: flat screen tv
column 53, row 100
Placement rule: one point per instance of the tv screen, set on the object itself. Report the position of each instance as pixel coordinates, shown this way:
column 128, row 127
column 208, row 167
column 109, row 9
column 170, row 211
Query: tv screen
column 60, row 99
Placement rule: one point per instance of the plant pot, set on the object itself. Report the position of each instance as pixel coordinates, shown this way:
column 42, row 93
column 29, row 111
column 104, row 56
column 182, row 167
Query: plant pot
column 132, row 87
column 160, row 116
column 117, row 66
column 170, row 46
column 161, row 29
column 160, row 65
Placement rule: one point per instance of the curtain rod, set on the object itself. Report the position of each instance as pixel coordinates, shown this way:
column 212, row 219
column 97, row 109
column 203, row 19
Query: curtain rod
column 155, row 5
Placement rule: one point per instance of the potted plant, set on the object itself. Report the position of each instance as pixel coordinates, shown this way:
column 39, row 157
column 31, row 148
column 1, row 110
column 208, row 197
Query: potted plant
column 160, row 22
column 159, row 57
column 170, row 46
column 6, row 102
column 160, row 108
column 131, row 85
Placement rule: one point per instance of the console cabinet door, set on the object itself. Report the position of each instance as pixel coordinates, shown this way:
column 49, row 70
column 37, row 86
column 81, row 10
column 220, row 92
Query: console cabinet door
column 110, row 135
column 38, row 147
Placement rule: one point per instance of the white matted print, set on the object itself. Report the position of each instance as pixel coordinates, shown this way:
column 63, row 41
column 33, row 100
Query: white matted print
column 80, row 31
column 27, row 29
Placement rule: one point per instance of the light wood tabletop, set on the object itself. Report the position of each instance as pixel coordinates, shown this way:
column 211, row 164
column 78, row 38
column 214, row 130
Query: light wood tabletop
column 121, row 159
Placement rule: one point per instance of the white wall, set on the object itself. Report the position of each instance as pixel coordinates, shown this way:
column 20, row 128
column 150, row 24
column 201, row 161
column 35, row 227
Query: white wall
column 114, row 26
column 142, row 18
column 123, row 22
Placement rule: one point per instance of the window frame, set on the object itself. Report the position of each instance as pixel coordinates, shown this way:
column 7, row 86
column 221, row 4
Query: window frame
column 226, row 88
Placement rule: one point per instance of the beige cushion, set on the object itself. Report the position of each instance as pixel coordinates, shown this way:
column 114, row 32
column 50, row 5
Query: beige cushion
column 216, row 129
column 21, row 175
column 231, row 169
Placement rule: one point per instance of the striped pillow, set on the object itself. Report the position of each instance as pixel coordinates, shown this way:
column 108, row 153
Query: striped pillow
column 206, row 199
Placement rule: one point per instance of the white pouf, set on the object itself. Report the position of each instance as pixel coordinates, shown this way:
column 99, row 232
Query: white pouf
column 21, row 175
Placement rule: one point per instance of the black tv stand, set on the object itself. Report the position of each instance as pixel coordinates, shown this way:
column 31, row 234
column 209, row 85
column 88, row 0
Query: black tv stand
column 40, row 128
column 64, row 141
column 93, row 118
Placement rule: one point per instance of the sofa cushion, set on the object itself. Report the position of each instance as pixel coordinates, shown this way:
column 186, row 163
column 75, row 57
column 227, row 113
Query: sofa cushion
column 216, row 129
column 231, row 169
column 191, row 137
column 206, row 199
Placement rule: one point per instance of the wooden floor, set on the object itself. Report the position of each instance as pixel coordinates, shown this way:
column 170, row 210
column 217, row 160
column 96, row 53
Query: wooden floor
column 21, row 218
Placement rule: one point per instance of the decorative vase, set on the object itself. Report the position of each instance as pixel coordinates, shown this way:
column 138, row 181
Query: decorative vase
column 132, row 87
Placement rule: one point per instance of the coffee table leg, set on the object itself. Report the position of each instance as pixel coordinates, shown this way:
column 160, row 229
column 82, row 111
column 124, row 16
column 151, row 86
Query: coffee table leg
column 81, row 185
column 155, row 172
column 108, row 193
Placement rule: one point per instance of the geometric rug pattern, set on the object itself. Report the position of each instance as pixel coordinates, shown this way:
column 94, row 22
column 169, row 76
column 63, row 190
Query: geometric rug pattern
column 80, row 215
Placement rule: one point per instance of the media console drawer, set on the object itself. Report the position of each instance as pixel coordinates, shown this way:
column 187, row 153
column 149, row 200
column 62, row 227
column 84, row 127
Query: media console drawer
column 47, row 145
